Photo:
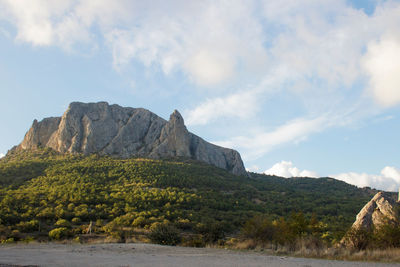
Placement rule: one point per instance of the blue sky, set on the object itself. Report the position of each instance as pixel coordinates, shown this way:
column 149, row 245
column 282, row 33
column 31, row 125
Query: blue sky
column 297, row 87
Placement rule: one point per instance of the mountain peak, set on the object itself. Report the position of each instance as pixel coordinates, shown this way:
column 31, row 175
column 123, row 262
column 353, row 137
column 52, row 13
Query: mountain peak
column 126, row 132
column 176, row 117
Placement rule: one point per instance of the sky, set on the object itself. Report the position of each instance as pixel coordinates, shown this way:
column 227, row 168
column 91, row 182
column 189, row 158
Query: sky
column 298, row 87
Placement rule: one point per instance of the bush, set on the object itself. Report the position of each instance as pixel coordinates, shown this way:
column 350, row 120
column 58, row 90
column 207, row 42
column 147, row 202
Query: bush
column 16, row 235
column 63, row 223
column 76, row 220
column 30, row 226
column 59, row 233
column 8, row 241
column 165, row 234
column 140, row 222
column 194, row 241
column 297, row 229
column 260, row 229
column 387, row 236
column 358, row 238
column 114, row 230
column 212, row 231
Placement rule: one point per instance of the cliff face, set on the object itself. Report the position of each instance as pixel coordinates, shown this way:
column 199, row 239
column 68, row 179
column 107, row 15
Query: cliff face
column 379, row 210
column 126, row 132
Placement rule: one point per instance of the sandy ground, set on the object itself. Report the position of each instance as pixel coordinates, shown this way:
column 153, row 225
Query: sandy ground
column 147, row 255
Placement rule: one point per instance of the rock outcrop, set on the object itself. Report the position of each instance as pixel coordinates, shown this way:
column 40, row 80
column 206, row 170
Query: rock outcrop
column 126, row 132
column 381, row 209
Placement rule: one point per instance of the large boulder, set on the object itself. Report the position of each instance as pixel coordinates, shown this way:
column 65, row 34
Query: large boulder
column 381, row 209
column 126, row 132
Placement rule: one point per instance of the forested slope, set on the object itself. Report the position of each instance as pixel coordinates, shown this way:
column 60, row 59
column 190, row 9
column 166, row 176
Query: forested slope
column 42, row 190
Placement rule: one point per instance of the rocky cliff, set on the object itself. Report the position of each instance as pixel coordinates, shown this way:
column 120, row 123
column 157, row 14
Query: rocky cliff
column 126, row 132
column 382, row 208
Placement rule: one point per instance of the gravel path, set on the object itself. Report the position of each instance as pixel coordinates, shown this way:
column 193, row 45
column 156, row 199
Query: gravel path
column 148, row 255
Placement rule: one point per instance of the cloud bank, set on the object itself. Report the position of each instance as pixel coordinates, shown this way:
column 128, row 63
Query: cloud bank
column 286, row 169
column 1, row 155
column 209, row 41
column 388, row 179
column 214, row 41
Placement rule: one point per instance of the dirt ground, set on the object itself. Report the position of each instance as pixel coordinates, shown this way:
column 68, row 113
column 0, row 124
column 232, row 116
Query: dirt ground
column 52, row 254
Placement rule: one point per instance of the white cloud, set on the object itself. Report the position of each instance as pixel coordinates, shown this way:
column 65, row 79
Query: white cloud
column 322, row 39
column 388, row 179
column 382, row 63
column 240, row 105
column 213, row 42
column 208, row 41
column 253, row 168
column 286, row 169
column 320, row 45
column 254, row 146
column 33, row 19
column 324, row 42
column 62, row 23
column 1, row 155
column 208, row 67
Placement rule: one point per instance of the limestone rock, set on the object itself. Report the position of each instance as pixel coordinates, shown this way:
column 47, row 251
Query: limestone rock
column 40, row 132
column 379, row 210
column 126, row 132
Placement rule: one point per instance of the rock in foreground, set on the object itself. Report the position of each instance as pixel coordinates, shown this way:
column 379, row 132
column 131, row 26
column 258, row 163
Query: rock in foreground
column 126, row 132
column 379, row 210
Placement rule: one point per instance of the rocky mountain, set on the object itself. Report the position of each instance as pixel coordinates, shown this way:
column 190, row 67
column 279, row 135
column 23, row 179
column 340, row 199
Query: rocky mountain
column 126, row 132
column 382, row 208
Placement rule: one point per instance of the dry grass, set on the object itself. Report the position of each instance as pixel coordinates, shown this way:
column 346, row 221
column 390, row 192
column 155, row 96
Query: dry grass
column 387, row 255
column 307, row 249
column 245, row 244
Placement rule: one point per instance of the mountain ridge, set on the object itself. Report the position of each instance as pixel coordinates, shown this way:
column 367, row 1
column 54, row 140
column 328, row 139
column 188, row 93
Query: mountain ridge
column 126, row 132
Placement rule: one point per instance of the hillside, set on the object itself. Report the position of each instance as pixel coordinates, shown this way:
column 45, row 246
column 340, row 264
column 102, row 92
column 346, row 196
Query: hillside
column 41, row 190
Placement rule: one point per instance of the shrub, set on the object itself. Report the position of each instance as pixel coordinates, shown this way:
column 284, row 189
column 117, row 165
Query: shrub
column 16, row 235
column 358, row 238
column 139, row 222
column 194, row 241
column 63, row 223
column 59, row 233
column 387, row 236
column 212, row 231
column 8, row 241
column 259, row 228
column 114, row 230
column 30, row 226
column 76, row 220
column 165, row 234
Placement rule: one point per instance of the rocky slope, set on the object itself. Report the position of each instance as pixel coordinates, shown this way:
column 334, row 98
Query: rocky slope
column 126, row 132
column 382, row 208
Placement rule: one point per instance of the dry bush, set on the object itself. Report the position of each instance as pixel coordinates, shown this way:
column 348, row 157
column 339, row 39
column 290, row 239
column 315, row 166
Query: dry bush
column 245, row 244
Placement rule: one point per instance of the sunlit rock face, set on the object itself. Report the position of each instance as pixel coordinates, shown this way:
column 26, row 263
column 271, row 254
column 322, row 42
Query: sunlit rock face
column 381, row 209
column 126, row 132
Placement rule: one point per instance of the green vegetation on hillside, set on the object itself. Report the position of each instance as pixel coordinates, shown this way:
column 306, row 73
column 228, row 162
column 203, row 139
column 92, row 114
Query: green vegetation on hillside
column 46, row 194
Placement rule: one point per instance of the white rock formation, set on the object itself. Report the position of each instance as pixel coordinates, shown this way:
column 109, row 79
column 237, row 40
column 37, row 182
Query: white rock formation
column 126, row 132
